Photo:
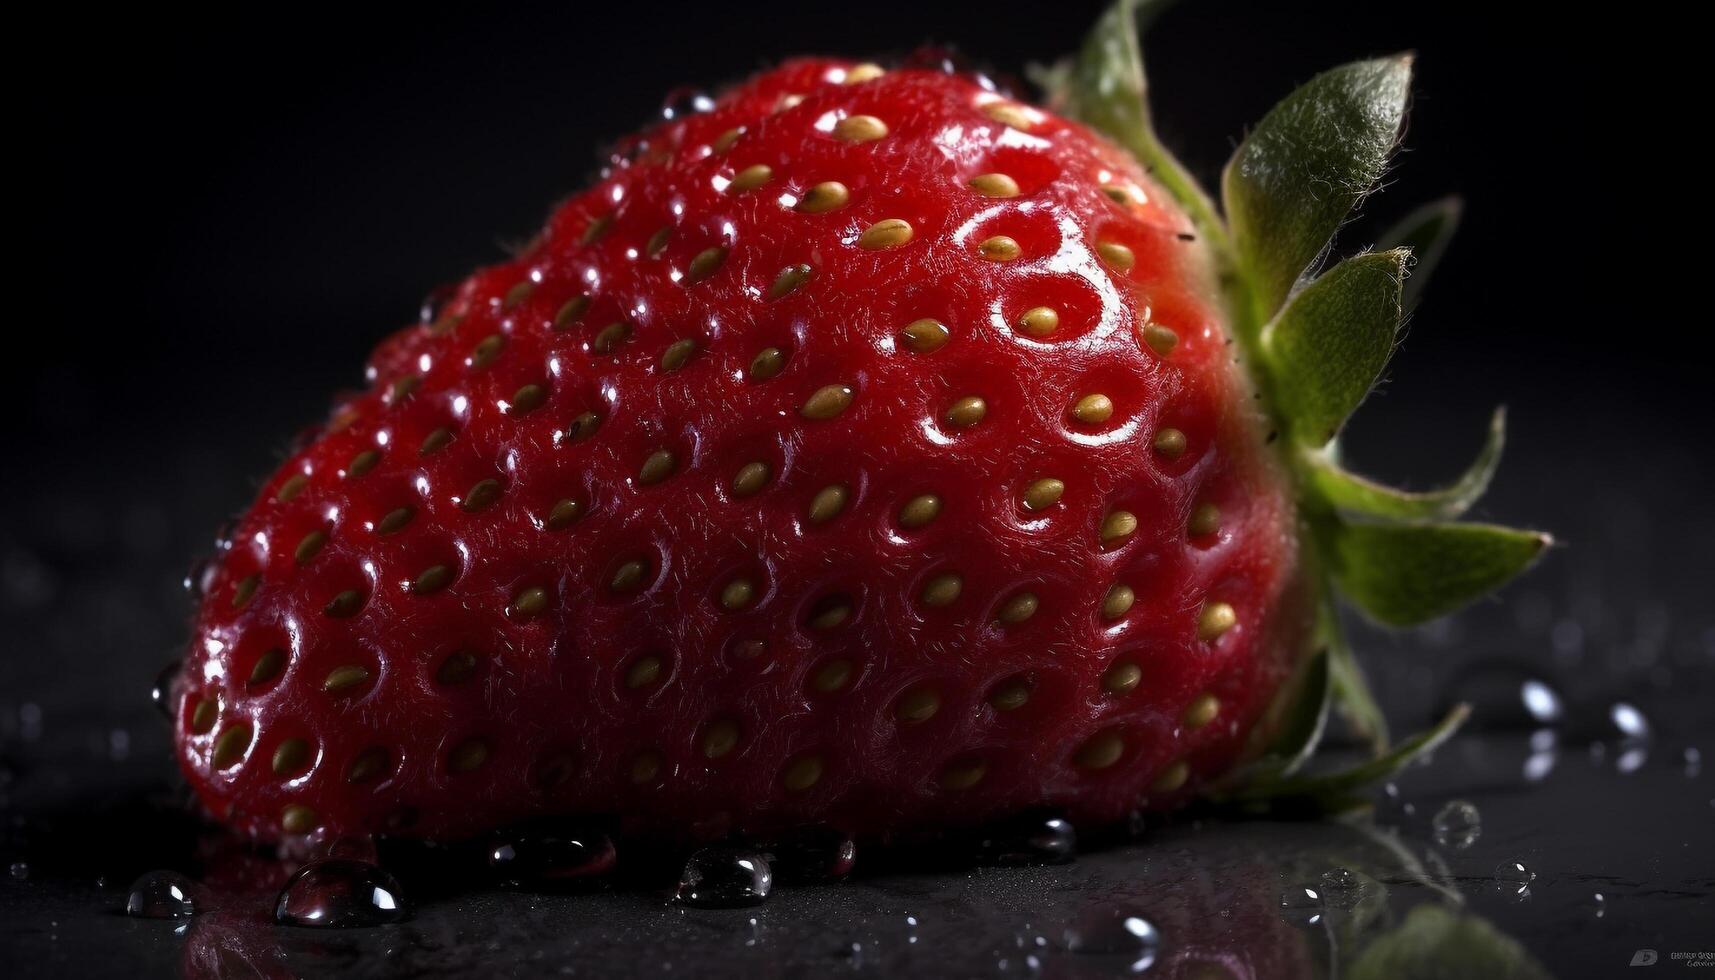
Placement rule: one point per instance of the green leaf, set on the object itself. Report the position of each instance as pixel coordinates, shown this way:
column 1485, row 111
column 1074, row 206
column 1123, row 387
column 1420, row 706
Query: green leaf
column 1352, row 695
column 1104, row 87
column 1426, row 231
column 1307, row 165
column 1328, row 347
column 1354, row 494
column 1437, row 942
column 1401, row 574
column 1336, row 791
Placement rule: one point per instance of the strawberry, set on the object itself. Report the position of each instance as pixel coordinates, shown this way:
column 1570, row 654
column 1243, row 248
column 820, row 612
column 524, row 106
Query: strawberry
column 866, row 447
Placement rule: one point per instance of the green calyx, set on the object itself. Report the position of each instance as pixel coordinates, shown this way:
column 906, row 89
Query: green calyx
column 1316, row 335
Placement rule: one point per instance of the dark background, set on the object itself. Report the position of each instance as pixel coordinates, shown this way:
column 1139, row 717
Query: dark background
column 219, row 214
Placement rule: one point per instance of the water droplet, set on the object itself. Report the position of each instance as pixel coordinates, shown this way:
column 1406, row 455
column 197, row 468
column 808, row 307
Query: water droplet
column 1514, row 877
column 684, row 102
column 161, row 692
column 1693, row 762
column 163, row 895
column 430, row 309
column 1632, row 759
column 1628, row 721
column 1301, row 905
column 1342, row 889
column 20, row 870
column 725, row 877
column 1505, row 697
column 340, row 894
column 1599, row 902
column 1457, row 824
column 544, row 857
column 1029, row 838
column 813, row 854
column 1114, row 932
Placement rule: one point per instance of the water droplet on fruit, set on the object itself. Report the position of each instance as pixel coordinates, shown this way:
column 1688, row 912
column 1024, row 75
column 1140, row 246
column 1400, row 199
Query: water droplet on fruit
column 1114, row 932
column 20, row 870
column 163, row 895
column 1301, row 904
column 725, row 878
column 1029, row 838
column 812, row 855
column 436, row 301
column 1457, row 824
column 543, row 856
column 1505, row 697
column 161, row 692
column 684, row 102
column 340, row 894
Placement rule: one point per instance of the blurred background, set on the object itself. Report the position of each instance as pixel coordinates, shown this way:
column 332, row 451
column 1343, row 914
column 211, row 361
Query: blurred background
column 220, row 214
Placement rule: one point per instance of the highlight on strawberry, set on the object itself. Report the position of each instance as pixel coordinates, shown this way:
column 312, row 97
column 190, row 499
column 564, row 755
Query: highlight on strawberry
column 867, row 448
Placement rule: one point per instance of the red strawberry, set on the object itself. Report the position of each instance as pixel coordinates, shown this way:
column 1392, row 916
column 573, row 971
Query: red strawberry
column 869, row 448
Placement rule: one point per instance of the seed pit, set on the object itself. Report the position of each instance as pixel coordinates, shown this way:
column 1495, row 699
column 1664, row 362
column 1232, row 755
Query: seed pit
column 802, row 773
column 832, row 676
column 1043, row 494
column 966, row 412
column 1122, row 677
column 767, row 363
column 469, row 755
column 887, row 233
column 829, row 195
column 368, row 765
column 924, row 336
column 860, row 129
column 919, row 511
column 917, row 704
column 828, row 503
column 1215, row 619
column 1018, row 608
column 458, row 667
column 995, row 185
column 1101, row 751
column 1010, row 694
column 345, row 678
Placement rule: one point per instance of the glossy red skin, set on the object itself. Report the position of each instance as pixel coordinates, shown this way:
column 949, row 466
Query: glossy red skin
column 549, row 697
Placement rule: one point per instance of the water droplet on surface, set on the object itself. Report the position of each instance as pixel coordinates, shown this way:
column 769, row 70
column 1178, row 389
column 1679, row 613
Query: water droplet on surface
column 1513, row 876
column 684, row 102
column 340, row 894
column 811, row 855
column 1029, row 838
column 1457, row 824
column 1628, row 721
column 1114, row 932
column 1693, row 762
column 20, row 870
column 552, row 858
column 1341, row 889
column 163, row 895
column 1599, row 902
column 725, row 878
column 1301, row 905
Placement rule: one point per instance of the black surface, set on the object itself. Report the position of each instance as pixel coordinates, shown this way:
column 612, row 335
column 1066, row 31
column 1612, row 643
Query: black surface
column 224, row 215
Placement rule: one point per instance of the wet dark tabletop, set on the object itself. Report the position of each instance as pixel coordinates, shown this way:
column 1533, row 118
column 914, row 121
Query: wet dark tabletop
column 1612, row 822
